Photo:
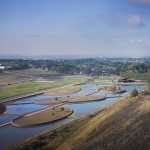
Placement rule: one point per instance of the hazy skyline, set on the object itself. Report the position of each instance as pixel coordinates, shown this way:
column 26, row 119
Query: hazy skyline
column 75, row 27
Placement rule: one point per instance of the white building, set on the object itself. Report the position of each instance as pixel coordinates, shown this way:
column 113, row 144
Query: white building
column 2, row 67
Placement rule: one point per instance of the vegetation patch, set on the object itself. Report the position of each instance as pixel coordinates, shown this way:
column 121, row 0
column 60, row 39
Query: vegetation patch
column 43, row 117
column 112, row 89
column 103, row 79
column 54, row 140
column 87, row 99
column 53, row 101
column 64, row 91
column 136, row 75
column 134, row 93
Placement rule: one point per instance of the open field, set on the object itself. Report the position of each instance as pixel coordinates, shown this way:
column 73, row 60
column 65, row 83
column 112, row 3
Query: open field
column 28, row 75
column 13, row 77
column 64, row 91
column 45, row 116
column 30, row 87
column 123, row 125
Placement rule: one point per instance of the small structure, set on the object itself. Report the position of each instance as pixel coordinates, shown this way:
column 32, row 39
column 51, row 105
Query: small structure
column 125, row 80
column 2, row 67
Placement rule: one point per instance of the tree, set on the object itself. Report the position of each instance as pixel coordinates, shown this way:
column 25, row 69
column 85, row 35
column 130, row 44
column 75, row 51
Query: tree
column 56, row 98
column 62, row 108
column 149, row 87
column 134, row 93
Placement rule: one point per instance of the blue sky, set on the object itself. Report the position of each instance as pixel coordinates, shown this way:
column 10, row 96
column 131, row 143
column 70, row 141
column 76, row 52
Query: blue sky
column 75, row 27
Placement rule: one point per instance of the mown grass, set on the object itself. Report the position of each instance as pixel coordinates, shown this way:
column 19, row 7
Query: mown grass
column 30, row 87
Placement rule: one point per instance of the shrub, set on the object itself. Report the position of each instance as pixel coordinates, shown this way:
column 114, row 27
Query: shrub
column 56, row 98
column 62, row 108
column 149, row 87
column 119, row 88
column 134, row 93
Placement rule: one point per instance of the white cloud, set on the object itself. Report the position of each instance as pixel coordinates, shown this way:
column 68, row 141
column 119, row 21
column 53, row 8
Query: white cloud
column 139, row 40
column 132, row 21
column 133, row 40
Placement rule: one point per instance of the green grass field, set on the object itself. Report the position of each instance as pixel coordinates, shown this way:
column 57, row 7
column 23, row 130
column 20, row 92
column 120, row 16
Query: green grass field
column 30, row 87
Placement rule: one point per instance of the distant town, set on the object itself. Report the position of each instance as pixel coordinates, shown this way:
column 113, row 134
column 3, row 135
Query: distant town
column 82, row 66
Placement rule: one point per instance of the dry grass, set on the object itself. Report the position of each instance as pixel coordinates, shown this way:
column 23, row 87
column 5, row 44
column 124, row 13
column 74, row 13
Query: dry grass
column 87, row 99
column 52, row 101
column 47, row 115
column 64, row 91
column 124, row 125
column 115, row 89
column 73, row 99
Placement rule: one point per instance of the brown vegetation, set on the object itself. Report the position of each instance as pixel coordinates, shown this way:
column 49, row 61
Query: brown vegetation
column 45, row 116
column 87, row 99
column 64, row 91
column 53, row 101
column 75, row 99
column 114, row 89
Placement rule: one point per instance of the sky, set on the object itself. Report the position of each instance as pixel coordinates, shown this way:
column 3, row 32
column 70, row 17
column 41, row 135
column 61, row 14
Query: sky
column 107, row 28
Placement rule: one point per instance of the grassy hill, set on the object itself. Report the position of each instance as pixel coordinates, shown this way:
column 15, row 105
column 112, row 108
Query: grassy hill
column 121, row 126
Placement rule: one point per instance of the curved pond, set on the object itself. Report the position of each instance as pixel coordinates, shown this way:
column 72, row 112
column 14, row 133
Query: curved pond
column 10, row 135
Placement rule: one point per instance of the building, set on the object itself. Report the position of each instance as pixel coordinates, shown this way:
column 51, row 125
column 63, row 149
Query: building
column 2, row 67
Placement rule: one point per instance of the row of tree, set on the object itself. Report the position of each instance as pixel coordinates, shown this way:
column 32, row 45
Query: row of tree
column 137, row 76
column 89, row 66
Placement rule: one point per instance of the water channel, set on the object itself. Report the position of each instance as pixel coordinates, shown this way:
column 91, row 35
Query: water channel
column 10, row 135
